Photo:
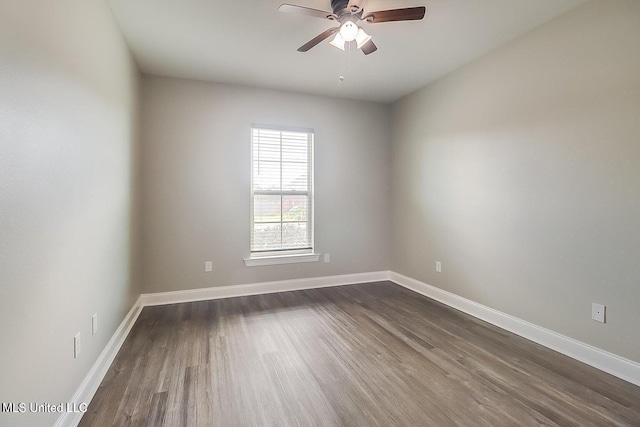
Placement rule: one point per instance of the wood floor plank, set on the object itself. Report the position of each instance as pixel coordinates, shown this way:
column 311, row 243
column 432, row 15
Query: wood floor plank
column 362, row 355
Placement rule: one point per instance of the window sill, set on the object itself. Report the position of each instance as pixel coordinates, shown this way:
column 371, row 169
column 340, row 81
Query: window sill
column 285, row 259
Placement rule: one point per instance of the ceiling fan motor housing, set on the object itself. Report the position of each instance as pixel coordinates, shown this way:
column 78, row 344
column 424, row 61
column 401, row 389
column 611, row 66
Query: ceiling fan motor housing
column 340, row 9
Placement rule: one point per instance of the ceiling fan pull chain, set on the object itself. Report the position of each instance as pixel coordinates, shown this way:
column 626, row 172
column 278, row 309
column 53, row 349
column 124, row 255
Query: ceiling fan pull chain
column 349, row 62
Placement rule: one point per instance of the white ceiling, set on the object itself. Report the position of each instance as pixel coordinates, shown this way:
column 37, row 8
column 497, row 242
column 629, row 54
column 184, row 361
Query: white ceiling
column 249, row 42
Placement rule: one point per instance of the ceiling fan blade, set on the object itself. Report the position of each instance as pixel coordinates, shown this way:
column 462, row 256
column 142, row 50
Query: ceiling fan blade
column 300, row 10
column 356, row 6
column 408, row 14
column 305, row 47
column 369, row 47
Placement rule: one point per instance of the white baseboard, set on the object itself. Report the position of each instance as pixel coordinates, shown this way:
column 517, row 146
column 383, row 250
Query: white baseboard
column 92, row 381
column 261, row 288
column 620, row 367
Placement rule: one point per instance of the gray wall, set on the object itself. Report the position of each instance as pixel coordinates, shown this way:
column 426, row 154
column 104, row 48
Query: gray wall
column 196, row 181
column 521, row 173
column 67, row 147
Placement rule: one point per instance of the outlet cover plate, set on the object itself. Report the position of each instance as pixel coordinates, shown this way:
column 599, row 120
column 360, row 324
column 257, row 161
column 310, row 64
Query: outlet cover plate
column 94, row 324
column 76, row 345
column 598, row 312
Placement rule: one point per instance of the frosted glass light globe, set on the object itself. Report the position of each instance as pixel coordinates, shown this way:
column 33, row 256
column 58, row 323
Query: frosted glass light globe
column 338, row 42
column 349, row 31
column 362, row 38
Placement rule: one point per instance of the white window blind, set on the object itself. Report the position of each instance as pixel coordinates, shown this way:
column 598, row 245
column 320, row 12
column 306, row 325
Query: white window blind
column 281, row 192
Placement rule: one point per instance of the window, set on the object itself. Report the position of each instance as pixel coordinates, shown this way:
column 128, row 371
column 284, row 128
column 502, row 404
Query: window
column 281, row 192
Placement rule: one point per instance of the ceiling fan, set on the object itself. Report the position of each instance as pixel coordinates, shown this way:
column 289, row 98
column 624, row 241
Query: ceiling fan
column 349, row 13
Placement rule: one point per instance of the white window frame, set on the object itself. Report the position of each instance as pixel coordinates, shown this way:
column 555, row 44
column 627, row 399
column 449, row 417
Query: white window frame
column 285, row 256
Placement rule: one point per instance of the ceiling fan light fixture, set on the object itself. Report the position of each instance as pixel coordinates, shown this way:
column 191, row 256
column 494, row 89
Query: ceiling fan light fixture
column 349, row 13
column 338, row 42
column 362, row 38
column 349, row 31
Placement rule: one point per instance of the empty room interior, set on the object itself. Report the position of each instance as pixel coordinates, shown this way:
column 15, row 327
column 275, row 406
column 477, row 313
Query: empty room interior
column 318, row 213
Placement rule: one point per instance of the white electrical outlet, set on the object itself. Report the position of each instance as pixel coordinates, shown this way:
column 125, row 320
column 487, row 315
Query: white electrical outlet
column 94, row 324
column 598, row 312
column 327, row 258
column 438, row 266
column 76, row 346
column 208, row 266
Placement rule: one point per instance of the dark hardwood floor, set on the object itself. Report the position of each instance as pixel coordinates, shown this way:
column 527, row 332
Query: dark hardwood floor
column 361, row 355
